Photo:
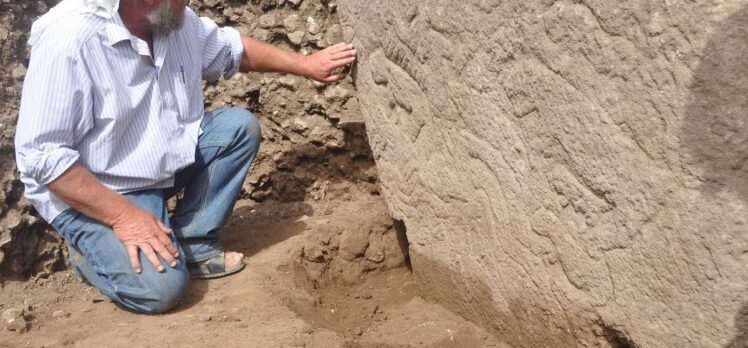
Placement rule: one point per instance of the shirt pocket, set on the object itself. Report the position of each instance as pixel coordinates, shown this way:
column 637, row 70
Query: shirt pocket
column 188, row 87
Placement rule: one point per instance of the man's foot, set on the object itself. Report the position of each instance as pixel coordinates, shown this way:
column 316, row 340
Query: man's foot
column 221, row 265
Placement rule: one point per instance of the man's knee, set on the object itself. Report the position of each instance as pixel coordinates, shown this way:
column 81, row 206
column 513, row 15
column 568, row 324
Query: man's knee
column 152, row 292
column 244, row 122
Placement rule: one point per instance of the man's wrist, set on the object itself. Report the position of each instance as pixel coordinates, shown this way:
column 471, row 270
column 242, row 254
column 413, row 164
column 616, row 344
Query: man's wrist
column 302, row 64
column 123, row 211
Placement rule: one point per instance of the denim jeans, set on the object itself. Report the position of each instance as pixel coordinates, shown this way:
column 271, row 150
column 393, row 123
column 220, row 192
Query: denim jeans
column 225, row 150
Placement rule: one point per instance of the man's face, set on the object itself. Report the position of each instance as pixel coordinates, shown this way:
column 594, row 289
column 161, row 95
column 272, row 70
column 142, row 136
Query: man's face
column 167, row 16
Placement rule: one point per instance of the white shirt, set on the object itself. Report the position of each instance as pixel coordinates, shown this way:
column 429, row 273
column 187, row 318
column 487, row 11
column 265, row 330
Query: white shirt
column 94, row 94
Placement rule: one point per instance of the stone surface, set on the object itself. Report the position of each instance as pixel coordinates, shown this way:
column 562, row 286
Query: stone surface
column 13, row 320
column 296, row 37
column 27, row 245
column 569, row 172
column 60, row 314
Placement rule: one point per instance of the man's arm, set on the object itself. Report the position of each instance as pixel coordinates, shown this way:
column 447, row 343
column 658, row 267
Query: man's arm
column 56, row 104
column 136, row 228
column 320, row 66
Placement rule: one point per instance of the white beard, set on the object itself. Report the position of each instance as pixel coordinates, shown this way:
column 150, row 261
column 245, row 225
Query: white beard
column 166, row 18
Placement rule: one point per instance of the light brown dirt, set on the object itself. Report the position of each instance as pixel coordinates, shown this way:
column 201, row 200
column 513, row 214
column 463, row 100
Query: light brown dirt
column 273, row 303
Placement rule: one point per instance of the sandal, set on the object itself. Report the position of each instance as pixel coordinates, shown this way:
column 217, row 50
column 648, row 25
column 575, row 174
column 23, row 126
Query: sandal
column 214, row 267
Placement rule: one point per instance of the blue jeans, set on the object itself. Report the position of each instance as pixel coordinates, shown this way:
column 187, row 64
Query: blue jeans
column 226, row 148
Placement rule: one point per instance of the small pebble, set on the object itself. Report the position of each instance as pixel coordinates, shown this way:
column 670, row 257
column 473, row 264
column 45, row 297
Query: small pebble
column 296, row 38
column 60, row 314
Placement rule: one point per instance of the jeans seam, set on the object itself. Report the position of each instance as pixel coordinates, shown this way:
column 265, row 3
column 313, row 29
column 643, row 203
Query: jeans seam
column 201, row 210
column 203, row 200
column 115, row 288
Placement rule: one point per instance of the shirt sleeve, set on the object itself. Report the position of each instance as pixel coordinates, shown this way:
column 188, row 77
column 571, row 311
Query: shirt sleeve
column 222, row 49
column 55, row 110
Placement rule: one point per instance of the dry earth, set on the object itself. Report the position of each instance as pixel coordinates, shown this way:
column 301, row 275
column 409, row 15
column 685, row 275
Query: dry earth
column 280, row 300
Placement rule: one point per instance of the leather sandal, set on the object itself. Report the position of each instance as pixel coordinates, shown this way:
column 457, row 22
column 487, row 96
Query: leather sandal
column 214, row 267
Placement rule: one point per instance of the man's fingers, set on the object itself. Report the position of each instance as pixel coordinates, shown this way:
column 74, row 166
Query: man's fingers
column 162, row 244
column 132, row 250
column 343, row 55
column 146, row 249
column 338, row 63
column 162, row 250
column 164, row 239
column 162, row 226
column 333, row 78
column 339, row 47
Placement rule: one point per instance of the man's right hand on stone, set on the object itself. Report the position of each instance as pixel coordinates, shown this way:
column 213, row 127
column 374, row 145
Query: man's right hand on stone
column 140, row 231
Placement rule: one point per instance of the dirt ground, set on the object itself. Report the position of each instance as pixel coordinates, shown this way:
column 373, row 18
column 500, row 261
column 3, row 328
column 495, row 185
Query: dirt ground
column 277, row 301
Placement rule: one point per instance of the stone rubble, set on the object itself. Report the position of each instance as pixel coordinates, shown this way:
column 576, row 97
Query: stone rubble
column 13, row 319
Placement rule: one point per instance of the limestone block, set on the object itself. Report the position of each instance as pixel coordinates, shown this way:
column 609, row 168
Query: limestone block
column 569, row 172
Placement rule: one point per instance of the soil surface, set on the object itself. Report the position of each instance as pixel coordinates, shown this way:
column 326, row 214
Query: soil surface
column 277, row 301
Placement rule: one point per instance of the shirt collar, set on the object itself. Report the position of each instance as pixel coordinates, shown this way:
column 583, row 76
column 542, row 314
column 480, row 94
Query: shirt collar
column 116, row 31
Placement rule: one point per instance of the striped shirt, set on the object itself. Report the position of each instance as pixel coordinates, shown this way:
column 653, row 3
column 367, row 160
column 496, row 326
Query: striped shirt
column 94, row 94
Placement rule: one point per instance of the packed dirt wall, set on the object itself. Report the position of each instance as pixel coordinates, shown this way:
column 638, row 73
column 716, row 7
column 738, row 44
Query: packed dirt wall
column 314, row 140
column 569, row 172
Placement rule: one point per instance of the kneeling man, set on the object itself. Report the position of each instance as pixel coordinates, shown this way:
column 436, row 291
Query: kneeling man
column 112, row 125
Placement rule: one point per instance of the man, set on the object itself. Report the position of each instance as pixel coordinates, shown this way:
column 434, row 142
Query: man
column 112, row 124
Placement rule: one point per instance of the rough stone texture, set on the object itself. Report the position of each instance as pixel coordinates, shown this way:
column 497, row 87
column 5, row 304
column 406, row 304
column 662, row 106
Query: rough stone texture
column 27, row 245
column 13, row 320
column 569, row 172
column 314, row 141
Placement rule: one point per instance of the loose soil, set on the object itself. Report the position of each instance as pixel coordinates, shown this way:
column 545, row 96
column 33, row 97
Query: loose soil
column 277, row 301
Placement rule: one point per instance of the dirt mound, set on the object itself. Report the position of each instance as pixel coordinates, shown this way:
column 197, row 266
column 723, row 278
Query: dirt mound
column 272, row 303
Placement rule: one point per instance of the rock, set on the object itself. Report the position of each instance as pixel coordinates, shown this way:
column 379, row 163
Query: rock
column 268, row 20
column 315, row 253
column 334, row 35
column 289, row 82
column 13, row 320
column 353, row 243
column 557, row 173
column 261, row 34
column 295, row 3
column 336, row 93
column 40, row 7
column 19, row 72
column 296, row 37
column 60, row 314
column 313, row 28
column 291, row 22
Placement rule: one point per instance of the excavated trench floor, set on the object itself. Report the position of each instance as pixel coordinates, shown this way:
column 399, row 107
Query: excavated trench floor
column 273, row 303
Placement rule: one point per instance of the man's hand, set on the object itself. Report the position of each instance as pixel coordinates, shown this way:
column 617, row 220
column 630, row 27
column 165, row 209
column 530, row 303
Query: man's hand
column 139, row 230
column 322, row 66
column 136, row 228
